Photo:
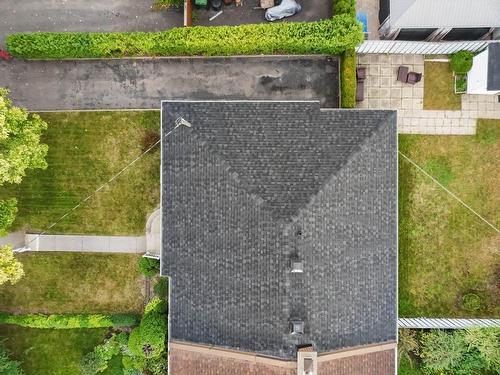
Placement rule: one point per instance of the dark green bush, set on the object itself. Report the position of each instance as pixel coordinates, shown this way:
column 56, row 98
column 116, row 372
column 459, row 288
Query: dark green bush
column 148, row 340
column 69, row 321
column 323, row 37
column 8, row 210
column 149, row 266
column 161, row 287
column 461, row 62
column 348, row 79
column 344, row 7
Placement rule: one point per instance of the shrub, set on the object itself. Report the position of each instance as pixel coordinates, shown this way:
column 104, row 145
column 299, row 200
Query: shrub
column 461, row 62
column 149, row 266
column 161, row 287
column 68, row 321
column 471, row 302
column 460, row 352
column 323, row 37
column 348, row 79
column 8, row 366
column 148, row 340
column 8, row 210
column 344, row 7
column 97, row 360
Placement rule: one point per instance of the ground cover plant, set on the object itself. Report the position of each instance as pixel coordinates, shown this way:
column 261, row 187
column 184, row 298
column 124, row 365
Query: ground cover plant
column 439, row 89
column 85, row 150
column 7, row 365
column 77, row 283
column 323, row 37
column 448, row 258
column 53, row 352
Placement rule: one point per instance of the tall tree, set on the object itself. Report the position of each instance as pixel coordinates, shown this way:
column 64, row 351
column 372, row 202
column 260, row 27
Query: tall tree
column 10, row 268
column 20, row 146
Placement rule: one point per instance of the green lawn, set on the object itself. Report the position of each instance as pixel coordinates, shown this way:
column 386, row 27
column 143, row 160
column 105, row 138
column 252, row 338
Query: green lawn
column 75, row 283
column 446, row 252
column 85, row 150
column 439, row 92
column 54, row 352
column 405, row 367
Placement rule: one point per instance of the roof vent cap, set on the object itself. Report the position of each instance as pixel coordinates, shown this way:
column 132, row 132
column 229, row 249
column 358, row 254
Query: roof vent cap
column 297, row 267
column 297, row 327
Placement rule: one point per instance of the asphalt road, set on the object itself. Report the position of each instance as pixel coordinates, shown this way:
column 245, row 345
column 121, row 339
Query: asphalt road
column 143, row 83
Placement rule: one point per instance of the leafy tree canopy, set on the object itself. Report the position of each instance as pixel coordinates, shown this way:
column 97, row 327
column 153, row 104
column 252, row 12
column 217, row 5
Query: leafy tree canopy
column 20, row 146
column 10, row 268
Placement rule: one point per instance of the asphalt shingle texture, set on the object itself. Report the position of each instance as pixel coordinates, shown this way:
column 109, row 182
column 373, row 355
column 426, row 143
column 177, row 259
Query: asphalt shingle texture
column 252, row 186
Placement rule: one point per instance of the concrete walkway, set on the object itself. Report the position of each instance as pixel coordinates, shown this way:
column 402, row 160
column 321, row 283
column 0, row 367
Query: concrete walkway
column 143, row 83
column 382, row 91
column 104, row 244
column 84, row 15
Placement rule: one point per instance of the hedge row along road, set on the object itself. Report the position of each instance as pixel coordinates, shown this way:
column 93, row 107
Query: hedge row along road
column 330, row 37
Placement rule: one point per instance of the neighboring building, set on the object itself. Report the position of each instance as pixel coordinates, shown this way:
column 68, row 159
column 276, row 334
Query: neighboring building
column 435, row 20
column 484, row 77
column 279, row 235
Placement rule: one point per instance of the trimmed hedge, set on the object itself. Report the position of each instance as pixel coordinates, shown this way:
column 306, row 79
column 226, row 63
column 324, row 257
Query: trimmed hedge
column 69, row 321
column 344, row 7
column 323, row 37
column 348, row 79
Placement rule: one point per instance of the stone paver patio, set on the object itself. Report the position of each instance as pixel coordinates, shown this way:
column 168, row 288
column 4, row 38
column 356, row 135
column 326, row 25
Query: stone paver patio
column 382, row 91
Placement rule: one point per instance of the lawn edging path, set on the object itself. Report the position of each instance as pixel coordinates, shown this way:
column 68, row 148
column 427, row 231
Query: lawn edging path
column 43, row 85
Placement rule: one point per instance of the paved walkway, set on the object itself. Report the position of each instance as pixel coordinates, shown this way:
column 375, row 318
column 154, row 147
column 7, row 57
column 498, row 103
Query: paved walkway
column 83, row 15
column 99, row 244
column 143, row 83
column 446, row 323
column 383, row 91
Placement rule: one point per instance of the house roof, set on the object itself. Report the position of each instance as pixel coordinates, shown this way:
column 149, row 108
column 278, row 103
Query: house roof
column 444, row 13
column 252, row 186
column 493, row 67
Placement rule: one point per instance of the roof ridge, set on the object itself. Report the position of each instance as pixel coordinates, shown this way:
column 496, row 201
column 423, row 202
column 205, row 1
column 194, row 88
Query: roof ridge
column 350, row 159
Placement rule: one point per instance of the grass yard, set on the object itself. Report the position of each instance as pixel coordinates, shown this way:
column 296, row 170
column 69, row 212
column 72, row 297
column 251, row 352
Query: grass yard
column 54, row 352
column 439, row 92
column 449, row 263
column 75, row 283
column 85, row 150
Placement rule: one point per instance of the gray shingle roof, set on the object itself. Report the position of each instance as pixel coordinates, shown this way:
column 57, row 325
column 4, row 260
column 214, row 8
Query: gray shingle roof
column 493, row 67
column 444, row 13
column 252, row 186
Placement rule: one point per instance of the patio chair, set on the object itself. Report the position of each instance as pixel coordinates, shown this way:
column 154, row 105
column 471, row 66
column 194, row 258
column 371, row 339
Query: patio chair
column 413, row 77
column 402, row 73
column 360, row 91
column 360, row 73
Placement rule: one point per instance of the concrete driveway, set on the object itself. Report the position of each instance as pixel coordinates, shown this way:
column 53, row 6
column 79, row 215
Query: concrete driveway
column 83, row 15
column 143, row 83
